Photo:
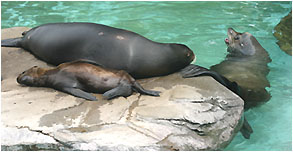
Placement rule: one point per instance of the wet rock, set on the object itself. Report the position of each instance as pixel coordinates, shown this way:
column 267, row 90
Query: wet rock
column 283, row 32
column 191, row 114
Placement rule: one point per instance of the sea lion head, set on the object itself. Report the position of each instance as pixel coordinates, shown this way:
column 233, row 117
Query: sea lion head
column 239, row 44
column 184, row 55
column 31, row 77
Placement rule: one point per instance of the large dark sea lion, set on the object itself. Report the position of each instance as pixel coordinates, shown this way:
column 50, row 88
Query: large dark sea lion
column 243, row 71
column 111, row 47
column 80, row 77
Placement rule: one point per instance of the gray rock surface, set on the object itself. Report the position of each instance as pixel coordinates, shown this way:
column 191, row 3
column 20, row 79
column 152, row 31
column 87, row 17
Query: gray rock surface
column 191, row 114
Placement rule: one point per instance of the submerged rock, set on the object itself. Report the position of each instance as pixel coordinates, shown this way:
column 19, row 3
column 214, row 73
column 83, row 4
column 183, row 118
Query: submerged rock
column 283, row 32
column 191, row 114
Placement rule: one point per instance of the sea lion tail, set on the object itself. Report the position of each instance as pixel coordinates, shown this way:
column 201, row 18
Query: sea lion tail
column 138, row 88
column 14, row 42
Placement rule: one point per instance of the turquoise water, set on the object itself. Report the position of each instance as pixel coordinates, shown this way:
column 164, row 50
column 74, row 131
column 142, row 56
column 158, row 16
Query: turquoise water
column 200, row 25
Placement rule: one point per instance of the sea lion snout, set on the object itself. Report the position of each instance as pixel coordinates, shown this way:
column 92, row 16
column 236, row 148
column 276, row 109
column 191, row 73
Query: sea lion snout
column 231, row 32
column 189, row 53
column 28, row 77
column 24, row 79
column 184, row 53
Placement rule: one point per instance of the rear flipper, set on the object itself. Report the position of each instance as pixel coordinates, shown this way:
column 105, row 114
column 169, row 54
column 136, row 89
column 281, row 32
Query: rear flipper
column 246, row 129
column 195, row 70
column 122, row 90
column 79, row 93
column 125, row 90
column 14, row 42
column 138, row 88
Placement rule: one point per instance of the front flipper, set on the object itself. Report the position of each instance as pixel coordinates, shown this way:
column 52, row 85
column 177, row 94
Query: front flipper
column 192, row 71
column 122, row 90
column 151, row 93
column 79, row 93
column 195, row 70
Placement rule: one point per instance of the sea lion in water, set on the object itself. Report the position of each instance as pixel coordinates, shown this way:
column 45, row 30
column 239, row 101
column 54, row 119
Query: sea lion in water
column 243, row 71
column 247, row 65
column 111, row 47
column 80, row 77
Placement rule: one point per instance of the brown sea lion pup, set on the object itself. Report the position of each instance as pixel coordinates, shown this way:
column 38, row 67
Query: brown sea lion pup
column 80, row 77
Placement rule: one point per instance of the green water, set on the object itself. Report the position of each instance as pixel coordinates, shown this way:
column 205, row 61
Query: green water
column 200, row 25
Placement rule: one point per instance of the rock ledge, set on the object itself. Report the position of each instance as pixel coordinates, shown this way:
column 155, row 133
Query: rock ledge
column 191, row 114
